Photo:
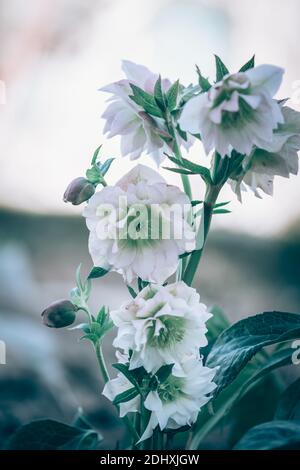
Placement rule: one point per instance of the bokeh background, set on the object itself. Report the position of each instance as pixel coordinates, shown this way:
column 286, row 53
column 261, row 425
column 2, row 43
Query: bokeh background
column 54, row 57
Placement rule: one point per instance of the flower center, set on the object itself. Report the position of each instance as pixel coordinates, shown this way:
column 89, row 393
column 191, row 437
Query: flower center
column 238, row 119
column 171, row 389
column 143, row 227
column 150, row 293
column 223, row 92
column 172, row 331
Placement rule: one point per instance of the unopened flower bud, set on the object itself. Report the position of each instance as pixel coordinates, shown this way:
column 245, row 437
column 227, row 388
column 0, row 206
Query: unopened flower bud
column 78, row 191
column 59, row 314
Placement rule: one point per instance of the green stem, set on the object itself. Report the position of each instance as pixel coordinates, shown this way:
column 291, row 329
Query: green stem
column 184, row 178
column 86, row 310
column 186, row 187
column 137, row 424
column 104, row 372
column 158, row 439
column 208, row 207
column 133, row 431
column 145, row 445
column 101, row 361
column 155, row 441
column 169, row 444
column 177, row 152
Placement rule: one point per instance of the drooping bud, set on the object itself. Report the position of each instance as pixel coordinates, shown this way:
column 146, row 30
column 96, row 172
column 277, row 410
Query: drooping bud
column 59, row 314
column 79, row 191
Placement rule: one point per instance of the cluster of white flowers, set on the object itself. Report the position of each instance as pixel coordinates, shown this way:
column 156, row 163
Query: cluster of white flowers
column 147, row 230
column 280, row 157
column 139, row 132
column 164, row 325
column 238, row 113
column 140, row 226
column 135, row 224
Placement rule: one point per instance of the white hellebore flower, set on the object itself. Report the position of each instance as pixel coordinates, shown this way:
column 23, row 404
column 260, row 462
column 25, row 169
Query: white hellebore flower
column 237, row 112
column 279, row 158
column 178, row 400
column 140, row 132
column 162, row 325
column 119, row 385
column 139, row 227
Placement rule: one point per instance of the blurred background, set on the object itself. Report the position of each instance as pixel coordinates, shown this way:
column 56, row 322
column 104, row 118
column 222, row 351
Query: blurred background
column 55, row 55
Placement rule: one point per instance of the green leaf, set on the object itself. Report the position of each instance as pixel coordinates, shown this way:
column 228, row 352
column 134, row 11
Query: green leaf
column 102, row 315
column 182, row 133
column 221, row 69
column 90, row 337
column 165, row 136
column 132, row 292
column 184, row 255
column 131, row 375
column 108, row 325
column 238, row 344
column 142, row 284
column 126, row 396
column 276, row 435
column 48, row 434
column 221, row 211
column 275, row 361
column 192, row 167
column 97, row 272
column 145, row 100
column 249, row 65
column 188, row 93
column 203, row 82
column 96, row 329
column 217, row 323
column 235, row 163
column 159, row 95
column 172, row 96
column 223, row 404
column 99, row 326
column 98, row 171
column 95, row 155
column 196, row 203
column 89, row 440
column 106, row 166
column 80, row 420
column 164, row 372
column 249, row 378
column 93, row 175
column 289, row 404
column 221, row 204
column 220, row 169
column 181, row 171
